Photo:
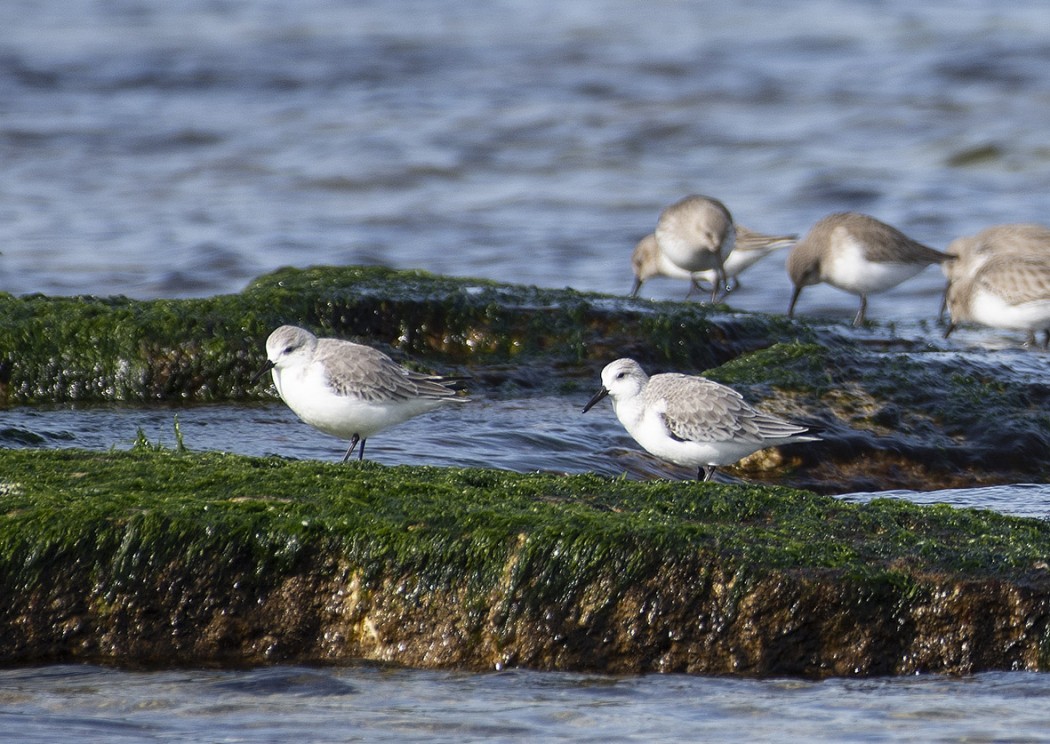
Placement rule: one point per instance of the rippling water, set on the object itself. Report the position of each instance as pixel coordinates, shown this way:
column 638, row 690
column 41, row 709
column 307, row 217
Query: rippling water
column 370, row 703
column 538, row 434
column 541, row 434
column 180, row 148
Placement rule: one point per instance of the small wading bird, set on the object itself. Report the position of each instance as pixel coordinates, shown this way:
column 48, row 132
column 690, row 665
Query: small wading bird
column 648, row 261
column 690, row 420
column 1011, row 292
column 971, row 252
column 858, row 254
column 696, row 234
column 348, row 390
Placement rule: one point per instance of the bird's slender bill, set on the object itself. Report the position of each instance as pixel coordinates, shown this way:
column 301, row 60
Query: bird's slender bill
column 597, row 397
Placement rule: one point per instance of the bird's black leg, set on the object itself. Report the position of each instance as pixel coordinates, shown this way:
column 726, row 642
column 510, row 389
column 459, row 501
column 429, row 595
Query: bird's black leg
column 704, row 472
column 353, row 443
column 859, row 320
column 361, row 452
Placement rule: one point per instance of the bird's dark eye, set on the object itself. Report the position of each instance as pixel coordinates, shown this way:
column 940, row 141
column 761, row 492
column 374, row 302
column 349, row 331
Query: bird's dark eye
column 289, row 349
column 621, row 375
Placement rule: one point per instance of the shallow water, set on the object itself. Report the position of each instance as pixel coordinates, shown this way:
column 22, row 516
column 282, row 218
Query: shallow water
column 537, row 434
column 181, row 148
column 372, row 703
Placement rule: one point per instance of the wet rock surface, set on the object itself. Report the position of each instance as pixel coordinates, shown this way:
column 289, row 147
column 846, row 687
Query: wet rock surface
column 160, row 558
column 155, row 557
column 895, row 413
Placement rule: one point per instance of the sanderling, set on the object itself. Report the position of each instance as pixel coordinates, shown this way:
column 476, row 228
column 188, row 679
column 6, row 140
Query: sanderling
column 1008, row 291
column 648, row 260
column 348, row 390
column 971, row 252
column 856, row 253
column 1014, row 238
column 689, row 420
column 696, row 234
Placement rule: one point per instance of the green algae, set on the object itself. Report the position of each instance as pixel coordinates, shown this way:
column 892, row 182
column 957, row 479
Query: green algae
column 794, row 365
column 448, row 525
column 95, row 348
column 88, row 348
column 154, row 555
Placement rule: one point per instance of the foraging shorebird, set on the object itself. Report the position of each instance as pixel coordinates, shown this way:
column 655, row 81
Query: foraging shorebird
column 648, row 261
column 972, row 252
column 690, row 420
column 1007, row 291
column 858, row 254
column 349, row 390
column 697, row 234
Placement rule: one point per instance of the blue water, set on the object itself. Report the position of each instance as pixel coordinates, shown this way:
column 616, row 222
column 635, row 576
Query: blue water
column 371, row 703
column 181, row 148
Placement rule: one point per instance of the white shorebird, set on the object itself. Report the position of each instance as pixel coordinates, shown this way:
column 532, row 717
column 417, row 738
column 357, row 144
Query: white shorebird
column 648, row 261
column 1007, row 291
column 971, row 252
column 348, row 390
column 697, row 234
column 858, row 254
column 690, row 420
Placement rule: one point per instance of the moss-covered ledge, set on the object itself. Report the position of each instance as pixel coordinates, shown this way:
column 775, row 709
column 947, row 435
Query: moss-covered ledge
column 895, row 413
column 55, row 349
column 918, row 420
column 148, row 557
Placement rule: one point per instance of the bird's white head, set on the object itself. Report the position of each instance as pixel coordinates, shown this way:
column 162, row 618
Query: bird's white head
column 290, row 345
column 624, row 379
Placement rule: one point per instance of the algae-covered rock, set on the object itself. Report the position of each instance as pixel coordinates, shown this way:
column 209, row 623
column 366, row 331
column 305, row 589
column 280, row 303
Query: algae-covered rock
column 158, row 557
column 894, row 414
column 918, row 419
column 92, row 349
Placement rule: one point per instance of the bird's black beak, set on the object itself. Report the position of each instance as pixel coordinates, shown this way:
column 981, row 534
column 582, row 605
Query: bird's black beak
column 597, row 397
column 265, row 368
column 794, row 298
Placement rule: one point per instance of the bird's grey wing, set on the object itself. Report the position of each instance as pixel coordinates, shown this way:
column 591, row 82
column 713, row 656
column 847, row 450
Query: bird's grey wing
column 751, row 240
column 701, row 410
column 1017, row 279
column 363, row 372
column 887, row 244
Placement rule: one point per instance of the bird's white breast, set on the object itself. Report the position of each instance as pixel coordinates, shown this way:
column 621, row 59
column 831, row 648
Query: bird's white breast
column 646, row 426
column 848, row 268
column 992, row 310
column 306, row 390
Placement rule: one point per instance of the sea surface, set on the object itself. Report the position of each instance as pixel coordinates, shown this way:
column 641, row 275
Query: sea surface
column 182, row 148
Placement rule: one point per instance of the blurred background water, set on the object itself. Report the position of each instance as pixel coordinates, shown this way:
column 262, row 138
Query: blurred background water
column 382, row 704
column 181, row 148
